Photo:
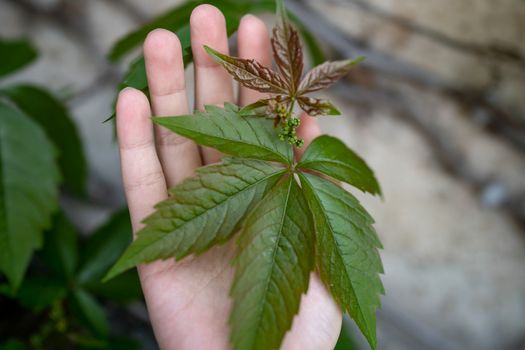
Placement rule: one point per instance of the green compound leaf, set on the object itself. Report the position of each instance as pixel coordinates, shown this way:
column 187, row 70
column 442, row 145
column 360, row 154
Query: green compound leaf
column 53, row 117
column 15, row 55
column 89, row 312
column 347, row 251
column 101, row 251
column 29, row 180
column 276, row 249
column 60, row 251
column 332, row 157
column 202, row 211
column 229, row 132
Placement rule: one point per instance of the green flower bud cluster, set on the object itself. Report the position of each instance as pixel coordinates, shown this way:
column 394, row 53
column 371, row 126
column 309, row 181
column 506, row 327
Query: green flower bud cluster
column 289, row 132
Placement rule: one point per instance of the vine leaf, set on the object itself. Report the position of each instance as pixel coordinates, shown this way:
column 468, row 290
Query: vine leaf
column 273, row 267
column 287, row 49
column 227, row 131
column 315, row 106
column 60, row 250
column 326, row 74
column 53, row 117
column 15, row 54
column 346, row 251
column 103, row 248
column 29, row 180
column 90, row 312
column 250, row 73
column 202, row 211
column 332, row 157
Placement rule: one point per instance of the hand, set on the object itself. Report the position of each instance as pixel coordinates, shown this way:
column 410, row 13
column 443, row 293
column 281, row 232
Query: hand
column 188, row 301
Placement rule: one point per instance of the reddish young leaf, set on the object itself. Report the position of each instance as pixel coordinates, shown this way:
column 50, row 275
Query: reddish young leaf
column 287, row 50
column 254, row 108
column 250, row 73
column 326, row 74
column 315, row 106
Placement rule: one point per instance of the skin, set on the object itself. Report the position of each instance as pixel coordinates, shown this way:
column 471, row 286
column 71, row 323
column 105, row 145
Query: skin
column 188, row 301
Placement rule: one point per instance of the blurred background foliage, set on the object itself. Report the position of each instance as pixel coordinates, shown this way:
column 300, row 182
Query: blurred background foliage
column 438, row 109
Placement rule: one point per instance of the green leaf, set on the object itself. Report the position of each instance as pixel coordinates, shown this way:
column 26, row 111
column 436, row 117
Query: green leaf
column 90, row 312
column 104, row 247
column 13, row 344
column 345, row 340
column 332, row 157
column 60, row 252
column 110, row 344
column 53, row 117
column 102, row 250
column 229, row 132
column 276, row 249
column 28, row 190
column 37, row 293
column 15, row 55
column 204, row 210
column 122, row 289
column 347, row 251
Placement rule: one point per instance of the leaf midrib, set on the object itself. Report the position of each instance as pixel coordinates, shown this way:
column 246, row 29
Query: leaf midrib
column 277, row 87
column 226, row 60
column 267, row 286
column 339, row 255
column 266, row 148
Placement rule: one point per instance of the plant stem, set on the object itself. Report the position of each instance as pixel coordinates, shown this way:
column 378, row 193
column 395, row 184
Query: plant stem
column 290, row 109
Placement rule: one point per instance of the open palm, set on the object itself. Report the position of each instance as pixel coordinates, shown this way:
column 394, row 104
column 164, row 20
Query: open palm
column 188, row 301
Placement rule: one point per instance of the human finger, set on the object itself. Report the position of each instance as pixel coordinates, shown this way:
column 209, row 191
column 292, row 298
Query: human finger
column 142, row 175
column 179, row 156
column 253, row 42
column 213, row 84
